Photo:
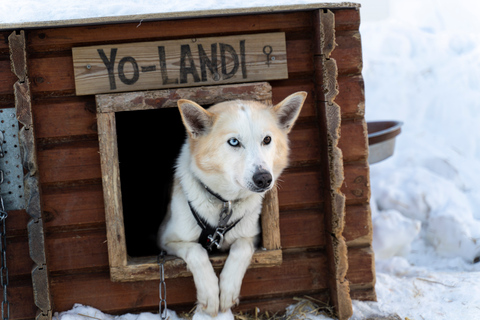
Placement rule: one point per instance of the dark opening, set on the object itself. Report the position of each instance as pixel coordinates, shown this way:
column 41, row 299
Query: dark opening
column 148, row 145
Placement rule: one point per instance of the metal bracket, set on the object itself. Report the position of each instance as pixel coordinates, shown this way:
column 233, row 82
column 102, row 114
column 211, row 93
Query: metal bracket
column 12, row 188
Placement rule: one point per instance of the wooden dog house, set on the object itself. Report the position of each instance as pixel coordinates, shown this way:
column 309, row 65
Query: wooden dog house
column 72, row 228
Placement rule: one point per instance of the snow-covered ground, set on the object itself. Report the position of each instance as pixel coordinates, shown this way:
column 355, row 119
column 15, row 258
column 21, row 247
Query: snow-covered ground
column 422, row 67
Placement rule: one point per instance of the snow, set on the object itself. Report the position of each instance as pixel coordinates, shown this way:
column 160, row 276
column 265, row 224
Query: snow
column 422, row 67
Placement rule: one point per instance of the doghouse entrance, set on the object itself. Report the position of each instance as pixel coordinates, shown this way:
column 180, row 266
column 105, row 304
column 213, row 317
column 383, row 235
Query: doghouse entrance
column 148, row 144
column 140, row 135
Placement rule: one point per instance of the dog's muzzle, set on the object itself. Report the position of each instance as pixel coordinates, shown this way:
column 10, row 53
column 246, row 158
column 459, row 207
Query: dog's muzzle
column 262, row 180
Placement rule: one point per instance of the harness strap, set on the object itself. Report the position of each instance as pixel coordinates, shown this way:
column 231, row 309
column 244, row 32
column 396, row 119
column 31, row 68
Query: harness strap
column 208, row 230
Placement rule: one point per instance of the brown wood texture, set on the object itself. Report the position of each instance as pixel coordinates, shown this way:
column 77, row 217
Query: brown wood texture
column 354, row 145
column 139, row 66
column 71, row 178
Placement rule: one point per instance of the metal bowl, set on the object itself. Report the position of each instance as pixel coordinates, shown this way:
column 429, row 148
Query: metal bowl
column 381, row 139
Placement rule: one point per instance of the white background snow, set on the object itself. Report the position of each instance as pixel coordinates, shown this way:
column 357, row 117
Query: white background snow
column 422, row 67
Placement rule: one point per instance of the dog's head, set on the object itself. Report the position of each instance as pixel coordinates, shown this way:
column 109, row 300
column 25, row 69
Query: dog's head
column 239, row 146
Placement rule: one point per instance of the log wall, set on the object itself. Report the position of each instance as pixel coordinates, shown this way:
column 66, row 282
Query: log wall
column 71, row 185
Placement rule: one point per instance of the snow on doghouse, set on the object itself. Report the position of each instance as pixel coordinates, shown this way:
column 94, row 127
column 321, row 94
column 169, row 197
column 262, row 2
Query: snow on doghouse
column 98, row 132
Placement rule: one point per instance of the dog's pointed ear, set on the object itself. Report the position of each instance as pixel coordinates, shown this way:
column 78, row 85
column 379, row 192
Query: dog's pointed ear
column 197, row 120
column 288, row 110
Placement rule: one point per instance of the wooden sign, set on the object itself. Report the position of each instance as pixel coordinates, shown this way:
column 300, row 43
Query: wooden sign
column 179, row 63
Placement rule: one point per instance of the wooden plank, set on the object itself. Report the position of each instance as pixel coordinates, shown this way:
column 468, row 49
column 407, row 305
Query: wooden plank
column 17, row 222
column 356, row 186
column 62, row 39
column 300, row 190
column 347, row 19
column 117, row 249
column 358, row 226
column 179, row 63
column 353, row 140
column 305, row 146
column 304, row 271
column 298, row 229
column 72, row 117
column 53, row 76
column 70, row 208
column 284, row 88
column 302, row 229
column 270, row 221
column 351, row 97
column 158, row 99
column 20, row 296
column 361, row 271
column 77, row 251
column 18, row 259
column 348, row 53
column 7, row 78
column 69, row 164
column 299, row 53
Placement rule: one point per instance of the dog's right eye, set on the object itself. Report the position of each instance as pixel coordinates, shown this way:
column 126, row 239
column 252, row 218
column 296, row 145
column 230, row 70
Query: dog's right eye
column 234, row 142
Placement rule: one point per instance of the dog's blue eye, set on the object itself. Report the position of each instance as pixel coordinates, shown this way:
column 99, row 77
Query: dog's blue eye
column 234, row 142
column 267, row 140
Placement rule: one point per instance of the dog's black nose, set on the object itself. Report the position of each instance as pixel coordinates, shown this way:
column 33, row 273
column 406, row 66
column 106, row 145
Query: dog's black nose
column 262, row 179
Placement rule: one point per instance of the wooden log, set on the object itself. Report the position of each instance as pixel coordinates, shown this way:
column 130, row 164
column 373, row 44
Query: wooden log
column 72, row 117
column 305, row 146
column 71, row 208
column 52, row 76
column 302, row 229
column 302, row 269
column 356, row 186
column 358, row 226
column 351, row 97
column 77, row 250
column 282, row 89
column 70, row 164
column 347, row 19
column 348, row 54
column 19, row 261
column 299, row 229
column 20, row 296
column 7, row 79
column 354, row 141
column 361, row 274
column 62, row 39
column 300, row 190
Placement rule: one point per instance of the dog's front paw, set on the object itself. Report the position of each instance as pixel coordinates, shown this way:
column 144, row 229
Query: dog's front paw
column 229, row 295
column 208, row 301
column 199, row 315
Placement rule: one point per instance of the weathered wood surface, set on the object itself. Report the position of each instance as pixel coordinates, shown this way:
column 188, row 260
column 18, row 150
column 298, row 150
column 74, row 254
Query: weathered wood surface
column 191, row 62
column 71, row 181
column 36, row 231
column 205, row 95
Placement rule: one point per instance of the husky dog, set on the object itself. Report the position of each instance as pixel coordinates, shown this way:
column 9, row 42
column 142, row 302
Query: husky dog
column 233, row 154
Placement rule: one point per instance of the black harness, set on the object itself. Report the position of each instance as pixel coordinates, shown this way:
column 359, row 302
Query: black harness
column 212, row 237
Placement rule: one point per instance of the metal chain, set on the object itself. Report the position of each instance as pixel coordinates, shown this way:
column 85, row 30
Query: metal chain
column 3, row 248
column 162, row 289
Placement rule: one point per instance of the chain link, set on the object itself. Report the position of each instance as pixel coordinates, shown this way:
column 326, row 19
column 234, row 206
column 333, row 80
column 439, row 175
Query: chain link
column 162, row 289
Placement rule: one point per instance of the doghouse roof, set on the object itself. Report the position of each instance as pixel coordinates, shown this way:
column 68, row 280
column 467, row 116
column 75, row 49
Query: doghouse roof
column 175, row 15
